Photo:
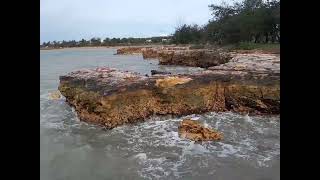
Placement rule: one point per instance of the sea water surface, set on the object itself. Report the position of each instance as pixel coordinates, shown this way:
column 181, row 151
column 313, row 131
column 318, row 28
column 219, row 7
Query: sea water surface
column 74, row 150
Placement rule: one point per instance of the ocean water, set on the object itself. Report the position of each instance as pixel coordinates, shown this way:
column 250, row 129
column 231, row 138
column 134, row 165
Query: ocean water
column 74, row 150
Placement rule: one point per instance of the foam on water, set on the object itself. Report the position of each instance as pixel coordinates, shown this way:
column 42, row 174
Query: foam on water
column 162, row 134
column 248, row 119
column 159, row 151
column 141, row 156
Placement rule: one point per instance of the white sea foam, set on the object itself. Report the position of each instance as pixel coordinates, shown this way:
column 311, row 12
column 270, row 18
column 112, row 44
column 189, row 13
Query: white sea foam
column 150, row 142
column 194, row 148
column 227, row 150
column 164, row 133
column 141, row 156
column 248, row 119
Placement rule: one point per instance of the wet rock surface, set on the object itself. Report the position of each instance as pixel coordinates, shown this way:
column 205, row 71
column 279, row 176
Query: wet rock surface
column 111, row 97
column 193, row 130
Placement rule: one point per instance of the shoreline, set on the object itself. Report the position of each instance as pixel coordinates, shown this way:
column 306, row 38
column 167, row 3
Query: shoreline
column 87, row 47
column 109, row 47
column 244, row 51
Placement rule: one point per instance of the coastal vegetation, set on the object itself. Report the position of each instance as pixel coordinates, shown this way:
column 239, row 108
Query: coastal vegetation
column 95, row 42
column 250, row 21
column 250, row 24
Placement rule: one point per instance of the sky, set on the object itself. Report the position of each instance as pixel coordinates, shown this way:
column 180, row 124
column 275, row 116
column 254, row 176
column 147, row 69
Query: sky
column 77, row 19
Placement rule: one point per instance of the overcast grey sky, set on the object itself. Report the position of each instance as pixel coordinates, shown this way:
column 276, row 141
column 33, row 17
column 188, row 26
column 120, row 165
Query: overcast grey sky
column 76, row 19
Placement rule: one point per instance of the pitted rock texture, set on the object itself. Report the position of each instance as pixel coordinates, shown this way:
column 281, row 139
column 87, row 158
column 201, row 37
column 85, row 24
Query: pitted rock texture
column 110, row 97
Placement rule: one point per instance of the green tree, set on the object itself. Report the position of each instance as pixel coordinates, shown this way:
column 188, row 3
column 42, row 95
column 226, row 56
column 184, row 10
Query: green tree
column 95, row 42
column 186, row 34
column 249, row 21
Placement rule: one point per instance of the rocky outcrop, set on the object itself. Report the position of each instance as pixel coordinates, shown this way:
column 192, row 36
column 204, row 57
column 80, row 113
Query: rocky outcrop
column 112, row 98
column 212, row 59
column 196, row 58
column 176, row 48
column 130, row 50
column 150, row 53
column 254, row 62
column 254, row 51
column 180, row 55
column 195, row 131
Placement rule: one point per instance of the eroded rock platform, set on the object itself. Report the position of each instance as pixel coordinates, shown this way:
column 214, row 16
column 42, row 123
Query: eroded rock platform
column 111, row 97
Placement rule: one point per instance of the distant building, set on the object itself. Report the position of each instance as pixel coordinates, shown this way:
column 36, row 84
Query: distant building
column 148, row 40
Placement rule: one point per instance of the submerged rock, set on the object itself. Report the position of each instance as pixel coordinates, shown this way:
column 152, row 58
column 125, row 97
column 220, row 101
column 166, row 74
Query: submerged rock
column 111, row 97
column 195, row 131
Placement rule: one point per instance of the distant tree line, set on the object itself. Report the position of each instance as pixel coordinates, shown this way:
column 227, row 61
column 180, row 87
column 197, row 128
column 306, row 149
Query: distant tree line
column 255, row 21
column 105, row 42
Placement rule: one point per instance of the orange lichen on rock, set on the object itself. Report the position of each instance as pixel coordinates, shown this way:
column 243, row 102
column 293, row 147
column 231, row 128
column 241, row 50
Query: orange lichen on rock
column 195, row 131
column 171, row 81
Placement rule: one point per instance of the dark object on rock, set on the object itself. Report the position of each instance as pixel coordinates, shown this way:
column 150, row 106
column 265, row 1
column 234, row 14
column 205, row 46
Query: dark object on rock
column 154, row 72
column 195, row 131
